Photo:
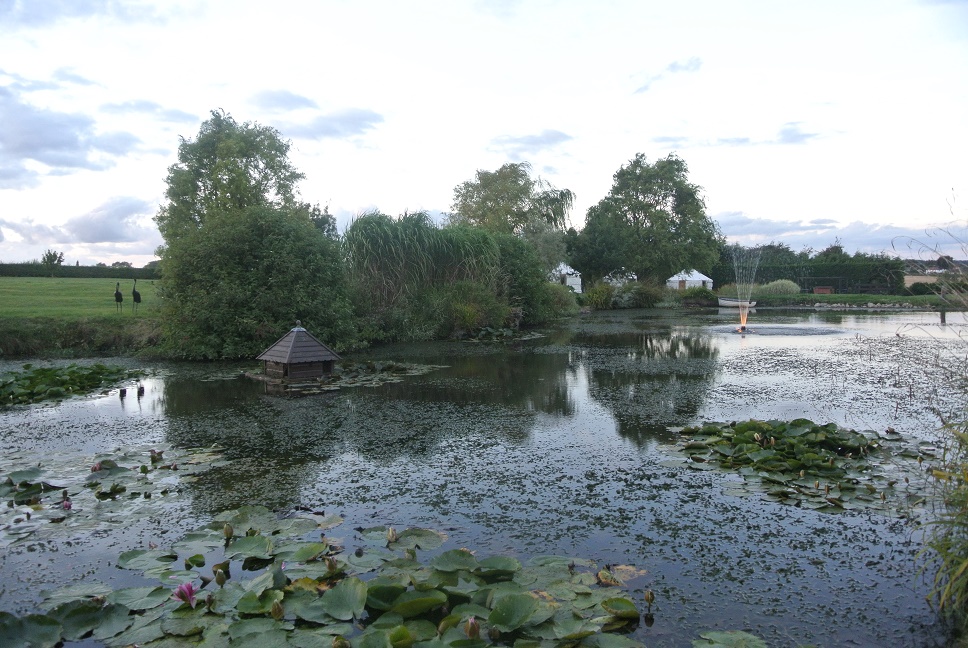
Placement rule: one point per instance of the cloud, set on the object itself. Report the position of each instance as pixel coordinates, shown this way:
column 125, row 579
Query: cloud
column 115, row 221
column 692, row 64
column 820, row 233
column 67, row 75
column 790, row 133
column 282, row 100
column 65, row 142
column 344, row 124
column 517, row 148
column 30, row 14
column 156, row 110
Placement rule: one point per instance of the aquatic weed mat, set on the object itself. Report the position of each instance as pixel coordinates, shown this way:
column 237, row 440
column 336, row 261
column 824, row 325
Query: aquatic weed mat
column 65, row 496
column 821, row 467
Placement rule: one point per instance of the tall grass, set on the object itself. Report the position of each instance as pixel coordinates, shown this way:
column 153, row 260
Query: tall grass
column 946, row 536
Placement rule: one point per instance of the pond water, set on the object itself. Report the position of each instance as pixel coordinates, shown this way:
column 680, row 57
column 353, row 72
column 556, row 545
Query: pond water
column 566, row 444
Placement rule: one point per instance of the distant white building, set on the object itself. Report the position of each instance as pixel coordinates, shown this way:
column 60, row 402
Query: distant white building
column 620, row 277
column 567, row 276
column 689, row 279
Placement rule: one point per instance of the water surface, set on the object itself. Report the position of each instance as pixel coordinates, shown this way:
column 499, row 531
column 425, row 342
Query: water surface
column 561, row 445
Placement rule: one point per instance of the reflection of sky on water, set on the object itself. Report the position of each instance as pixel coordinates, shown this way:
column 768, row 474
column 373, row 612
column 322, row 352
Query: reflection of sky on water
column 558, row 446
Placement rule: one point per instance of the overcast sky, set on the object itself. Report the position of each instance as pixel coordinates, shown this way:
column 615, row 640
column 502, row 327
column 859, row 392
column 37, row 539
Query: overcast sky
column 804, row 122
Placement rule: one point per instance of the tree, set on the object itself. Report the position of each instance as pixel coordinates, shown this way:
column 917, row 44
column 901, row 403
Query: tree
column 228, row 167
column 237, row 284
column 655, row 219
column 243, row 259
column 51, row 260
column 508, row 199
column 121, row 264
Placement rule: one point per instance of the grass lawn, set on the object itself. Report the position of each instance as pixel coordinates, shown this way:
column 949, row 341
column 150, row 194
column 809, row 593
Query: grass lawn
column 70, row 298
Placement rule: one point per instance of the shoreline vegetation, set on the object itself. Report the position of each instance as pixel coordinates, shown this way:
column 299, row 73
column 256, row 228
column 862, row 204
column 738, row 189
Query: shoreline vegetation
column 75, row 318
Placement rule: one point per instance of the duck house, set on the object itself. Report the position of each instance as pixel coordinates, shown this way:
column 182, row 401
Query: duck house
column 298, row 355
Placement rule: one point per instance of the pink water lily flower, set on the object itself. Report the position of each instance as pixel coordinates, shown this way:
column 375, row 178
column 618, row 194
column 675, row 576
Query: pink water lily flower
column 185, row 593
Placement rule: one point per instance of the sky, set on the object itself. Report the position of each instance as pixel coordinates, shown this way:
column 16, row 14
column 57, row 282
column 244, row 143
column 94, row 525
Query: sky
column 805, row 123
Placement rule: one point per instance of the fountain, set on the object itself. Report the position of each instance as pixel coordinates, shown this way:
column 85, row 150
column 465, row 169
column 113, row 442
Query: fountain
column 745, row 263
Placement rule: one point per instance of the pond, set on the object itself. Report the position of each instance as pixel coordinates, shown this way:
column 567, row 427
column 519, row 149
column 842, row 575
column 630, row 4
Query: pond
column 568, row 444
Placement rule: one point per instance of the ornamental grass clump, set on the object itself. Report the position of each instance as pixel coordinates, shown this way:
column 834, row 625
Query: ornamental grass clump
column 946, row 537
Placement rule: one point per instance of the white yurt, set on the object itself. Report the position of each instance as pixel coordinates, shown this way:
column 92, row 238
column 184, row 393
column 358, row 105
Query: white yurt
column 567, row 276
column 689, row 279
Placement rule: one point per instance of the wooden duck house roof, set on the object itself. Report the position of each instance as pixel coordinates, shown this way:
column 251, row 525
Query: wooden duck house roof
column 298, row 346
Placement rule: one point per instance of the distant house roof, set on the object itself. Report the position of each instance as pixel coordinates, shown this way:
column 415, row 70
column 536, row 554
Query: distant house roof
column 298, row 346
column 689, row 275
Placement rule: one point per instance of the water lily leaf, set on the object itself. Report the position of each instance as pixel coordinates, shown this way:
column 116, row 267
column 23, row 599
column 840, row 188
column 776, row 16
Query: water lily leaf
column 140, row 598
column 198, row 542
column 381, row 595
column 261, row 603
column 455, row 560
column 417, row 538
column 189, row 622
column 346, row 600
column 376, row 535
column 465, row 610
column 621, row 607
column 142, row 631
column 255, row 627
column 498, row 567
column 371, row 559
column 512, row 611
column 276, row 638
column 416, row 602
column 145, row 559
column 304, row 552
column 25, row 475
column 610, row 641
column 375, row 639
column 78, row 617
column 250, row 547
column 307, row 606
column 31, row 631
column 112, row 620
column 314, row 637
column 728, row 639
column 74, row 592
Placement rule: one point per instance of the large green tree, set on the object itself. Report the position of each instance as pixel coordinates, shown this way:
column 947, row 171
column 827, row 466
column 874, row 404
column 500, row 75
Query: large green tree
column 653, row 222
column 242, row 258
column 509, row 199
column 228, row 167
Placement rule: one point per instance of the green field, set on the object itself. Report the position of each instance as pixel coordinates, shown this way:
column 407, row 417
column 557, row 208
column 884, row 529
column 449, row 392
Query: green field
column 62, row 298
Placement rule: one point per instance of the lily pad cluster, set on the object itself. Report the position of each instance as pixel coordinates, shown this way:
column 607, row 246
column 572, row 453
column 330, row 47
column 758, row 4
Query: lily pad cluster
column 89, row 494
column 33, row 385
column 250, row 578
column 802, row 463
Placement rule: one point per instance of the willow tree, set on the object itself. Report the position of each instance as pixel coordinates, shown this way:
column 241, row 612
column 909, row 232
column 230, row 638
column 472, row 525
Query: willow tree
column 509, row 199
column 242, row 258
column 654, row 219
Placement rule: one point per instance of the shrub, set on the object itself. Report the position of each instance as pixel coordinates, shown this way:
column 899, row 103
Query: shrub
column 563, row 300
column 698, row 295
column 921, row 288
column 638, row 294
column 778, row 287
column 599, row 296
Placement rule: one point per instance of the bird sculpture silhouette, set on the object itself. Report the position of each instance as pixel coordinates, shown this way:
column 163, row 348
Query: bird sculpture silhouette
column 118, row 297
column 135, row 296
